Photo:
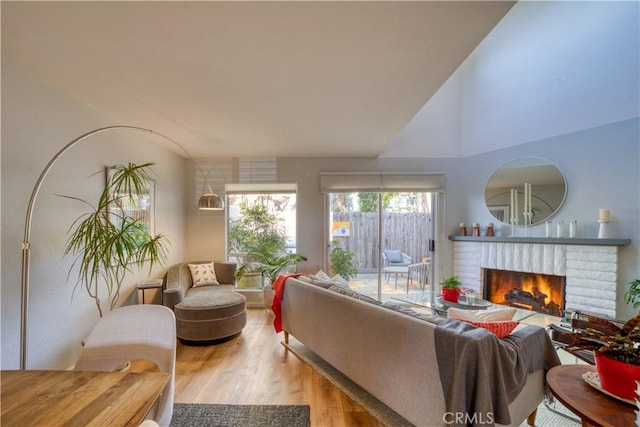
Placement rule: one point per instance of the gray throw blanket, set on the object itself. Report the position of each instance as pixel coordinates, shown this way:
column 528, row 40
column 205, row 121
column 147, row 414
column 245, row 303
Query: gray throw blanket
column 482, row 374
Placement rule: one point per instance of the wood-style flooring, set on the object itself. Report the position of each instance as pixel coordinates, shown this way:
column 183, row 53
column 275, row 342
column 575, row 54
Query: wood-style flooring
column 255, row 368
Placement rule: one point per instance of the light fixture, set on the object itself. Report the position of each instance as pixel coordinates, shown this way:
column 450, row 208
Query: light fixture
column 212, row 202
column 209, row 201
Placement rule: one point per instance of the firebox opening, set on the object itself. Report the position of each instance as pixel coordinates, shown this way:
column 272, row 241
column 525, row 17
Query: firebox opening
column 543, row 293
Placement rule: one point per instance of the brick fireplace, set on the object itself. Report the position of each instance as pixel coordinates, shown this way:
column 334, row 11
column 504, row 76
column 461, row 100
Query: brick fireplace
column 590, row 271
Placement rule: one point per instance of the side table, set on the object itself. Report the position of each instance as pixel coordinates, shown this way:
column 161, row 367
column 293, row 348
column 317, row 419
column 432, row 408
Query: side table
column 151, row 284
column 593, row 407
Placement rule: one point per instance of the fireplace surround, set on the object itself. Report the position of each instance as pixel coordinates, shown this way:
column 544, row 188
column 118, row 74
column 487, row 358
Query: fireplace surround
column 589, row 265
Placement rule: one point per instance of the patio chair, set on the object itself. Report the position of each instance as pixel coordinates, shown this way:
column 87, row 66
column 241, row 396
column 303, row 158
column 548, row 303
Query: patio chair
column 394, row 258
column 420, row 273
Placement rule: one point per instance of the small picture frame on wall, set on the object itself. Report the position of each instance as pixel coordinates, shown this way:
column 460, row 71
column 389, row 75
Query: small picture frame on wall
column 139, row 208
column 500, row 212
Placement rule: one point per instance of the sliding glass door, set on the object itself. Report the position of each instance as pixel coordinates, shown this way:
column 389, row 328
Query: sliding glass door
column 384, row 236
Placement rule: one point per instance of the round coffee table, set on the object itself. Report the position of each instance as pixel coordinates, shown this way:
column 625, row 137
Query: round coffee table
column 593, row 407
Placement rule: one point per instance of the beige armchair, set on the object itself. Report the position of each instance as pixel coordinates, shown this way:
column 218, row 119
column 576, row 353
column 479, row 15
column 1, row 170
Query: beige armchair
column 205, row 314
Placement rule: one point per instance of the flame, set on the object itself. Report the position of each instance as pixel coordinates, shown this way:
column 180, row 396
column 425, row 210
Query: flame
column 500, row 282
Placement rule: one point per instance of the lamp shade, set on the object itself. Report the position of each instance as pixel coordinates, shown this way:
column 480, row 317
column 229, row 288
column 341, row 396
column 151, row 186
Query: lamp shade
column 210, row 202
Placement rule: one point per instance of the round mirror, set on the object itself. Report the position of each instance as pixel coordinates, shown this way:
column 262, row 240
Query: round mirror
column 527, row 190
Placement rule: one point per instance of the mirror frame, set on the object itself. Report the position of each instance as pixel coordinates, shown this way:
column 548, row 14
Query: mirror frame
column 501, row 211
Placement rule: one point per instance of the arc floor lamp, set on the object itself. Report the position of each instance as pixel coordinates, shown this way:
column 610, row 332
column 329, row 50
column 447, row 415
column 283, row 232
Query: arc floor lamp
column 208, row 201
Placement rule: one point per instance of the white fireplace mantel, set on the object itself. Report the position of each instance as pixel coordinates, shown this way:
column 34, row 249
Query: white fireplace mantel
column 590, row 265
column 544, row 240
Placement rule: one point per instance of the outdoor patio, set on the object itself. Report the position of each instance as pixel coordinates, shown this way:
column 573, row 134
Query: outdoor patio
column 367, row 283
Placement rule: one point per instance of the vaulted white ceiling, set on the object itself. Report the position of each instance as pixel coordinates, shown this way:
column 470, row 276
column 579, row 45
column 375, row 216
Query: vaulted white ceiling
column 251, row 79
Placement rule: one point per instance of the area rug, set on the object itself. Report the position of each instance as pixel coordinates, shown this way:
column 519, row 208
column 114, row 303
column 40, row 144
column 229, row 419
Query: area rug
column 386, row 415
column 214, row 415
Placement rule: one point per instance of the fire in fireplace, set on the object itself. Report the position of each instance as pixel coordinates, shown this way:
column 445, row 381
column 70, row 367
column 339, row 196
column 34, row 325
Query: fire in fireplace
column 543, row 293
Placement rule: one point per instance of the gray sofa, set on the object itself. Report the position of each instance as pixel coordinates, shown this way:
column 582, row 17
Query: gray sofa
column 393, row 355
column 205, row 314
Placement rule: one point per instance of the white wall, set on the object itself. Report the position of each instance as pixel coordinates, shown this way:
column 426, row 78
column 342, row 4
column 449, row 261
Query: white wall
column 548, row 68
column 36, row 123
column 601, row 168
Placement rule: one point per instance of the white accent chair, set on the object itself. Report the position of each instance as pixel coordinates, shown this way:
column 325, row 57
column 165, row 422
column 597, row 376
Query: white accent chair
column 135, row 332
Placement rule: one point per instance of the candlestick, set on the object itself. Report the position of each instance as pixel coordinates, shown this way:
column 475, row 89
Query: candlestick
column 603, row 231
column 560, row 229
column 490, row 232
column 548, row 229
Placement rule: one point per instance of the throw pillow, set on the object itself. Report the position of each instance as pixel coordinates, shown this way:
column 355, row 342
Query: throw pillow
column 338, row 279
column 393, row 255
column 203, row 274
column 500, row 329
column 321, row 275
column 481, row 315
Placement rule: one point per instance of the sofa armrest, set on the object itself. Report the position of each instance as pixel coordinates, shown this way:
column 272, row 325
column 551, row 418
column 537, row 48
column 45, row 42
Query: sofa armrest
column 177, row 282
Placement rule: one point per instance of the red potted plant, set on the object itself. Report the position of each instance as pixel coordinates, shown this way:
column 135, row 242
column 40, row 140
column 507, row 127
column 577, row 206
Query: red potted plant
column 617, row 354
column 451, row 289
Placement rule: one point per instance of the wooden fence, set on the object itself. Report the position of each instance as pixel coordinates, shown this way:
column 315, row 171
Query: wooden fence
column 408, row 232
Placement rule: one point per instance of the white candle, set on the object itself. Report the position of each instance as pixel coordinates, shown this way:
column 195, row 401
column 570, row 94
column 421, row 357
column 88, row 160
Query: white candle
column 604, row 215
column 530, row 199
column 511, row 211
column 516, row 203
column 526, row 196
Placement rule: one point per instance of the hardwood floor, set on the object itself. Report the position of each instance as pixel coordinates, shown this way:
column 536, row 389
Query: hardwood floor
column 255, row 368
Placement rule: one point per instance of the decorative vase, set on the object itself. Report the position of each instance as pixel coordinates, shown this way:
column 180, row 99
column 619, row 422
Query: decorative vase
column 450, row 295
column 616, row 377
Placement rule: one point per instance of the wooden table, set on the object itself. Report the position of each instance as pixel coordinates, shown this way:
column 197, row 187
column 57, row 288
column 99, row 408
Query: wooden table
column 78, row 398
column 593, row 407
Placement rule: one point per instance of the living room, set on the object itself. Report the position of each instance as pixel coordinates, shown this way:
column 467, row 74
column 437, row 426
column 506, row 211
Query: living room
column 554, row 80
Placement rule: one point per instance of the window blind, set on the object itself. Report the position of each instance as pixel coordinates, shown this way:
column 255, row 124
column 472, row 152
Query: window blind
column 351, row 182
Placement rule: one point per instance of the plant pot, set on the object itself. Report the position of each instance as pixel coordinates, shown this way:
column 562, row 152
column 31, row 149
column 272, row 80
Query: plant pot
column 250, row 281
column 616, row 377
column 268, row 296
column 451, row 295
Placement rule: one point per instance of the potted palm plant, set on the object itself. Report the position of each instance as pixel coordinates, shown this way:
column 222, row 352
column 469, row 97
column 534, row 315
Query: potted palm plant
column 109, row 241
column 342, row 261
column 451, row 288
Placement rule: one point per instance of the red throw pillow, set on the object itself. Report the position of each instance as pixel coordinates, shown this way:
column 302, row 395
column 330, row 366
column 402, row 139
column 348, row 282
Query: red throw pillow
column 500, row 328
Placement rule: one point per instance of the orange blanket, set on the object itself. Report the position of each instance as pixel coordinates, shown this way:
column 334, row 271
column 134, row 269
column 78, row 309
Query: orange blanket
column 278, row 292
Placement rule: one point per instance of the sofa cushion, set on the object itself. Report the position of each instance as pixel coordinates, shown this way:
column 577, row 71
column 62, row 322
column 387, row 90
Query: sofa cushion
column 353, row 294
column 500, row 328
column 410, row 312
column 481, row 315
column 203, row 274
